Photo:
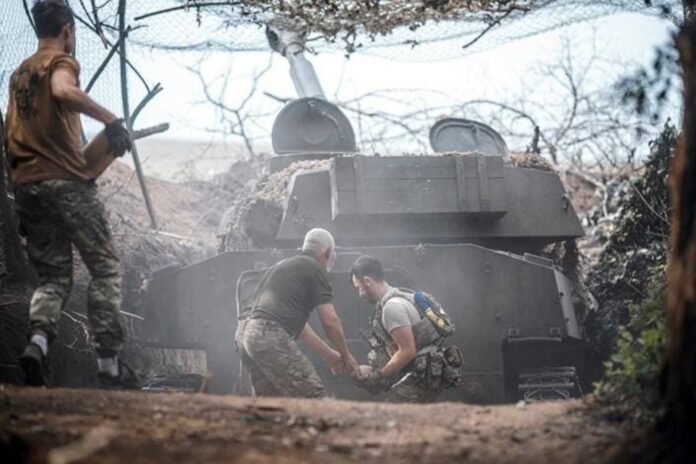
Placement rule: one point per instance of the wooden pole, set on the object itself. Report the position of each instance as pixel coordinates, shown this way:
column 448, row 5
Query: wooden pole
column 126, row 111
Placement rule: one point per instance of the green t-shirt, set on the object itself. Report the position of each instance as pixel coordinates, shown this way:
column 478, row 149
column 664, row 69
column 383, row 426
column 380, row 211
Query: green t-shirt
column 290, row 290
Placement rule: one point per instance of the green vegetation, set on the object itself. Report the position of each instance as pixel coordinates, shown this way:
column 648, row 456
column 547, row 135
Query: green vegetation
column 632, row 372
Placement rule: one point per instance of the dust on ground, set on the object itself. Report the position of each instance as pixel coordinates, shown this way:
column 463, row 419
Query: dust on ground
column 40, row 425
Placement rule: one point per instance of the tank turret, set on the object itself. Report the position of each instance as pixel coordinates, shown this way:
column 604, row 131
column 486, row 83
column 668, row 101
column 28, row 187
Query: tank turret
column 309, row 127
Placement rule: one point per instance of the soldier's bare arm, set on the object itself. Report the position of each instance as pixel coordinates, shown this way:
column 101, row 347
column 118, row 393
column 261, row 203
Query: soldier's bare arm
column 64, row 88
column 406, row 352
column 334, row 331
column 329, row 355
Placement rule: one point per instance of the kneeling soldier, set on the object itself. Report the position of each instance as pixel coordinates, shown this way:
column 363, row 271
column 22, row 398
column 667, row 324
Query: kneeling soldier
column 408, row 357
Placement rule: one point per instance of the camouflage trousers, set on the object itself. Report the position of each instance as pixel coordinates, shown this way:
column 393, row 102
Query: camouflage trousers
column 411, row 390
column 275, row 363
column 55, row 215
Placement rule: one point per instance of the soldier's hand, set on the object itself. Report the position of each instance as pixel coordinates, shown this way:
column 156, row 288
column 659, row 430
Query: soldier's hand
column 373, row 381
column 117, row 137
column 335, row 362
column 352, row 366
column 363, row 371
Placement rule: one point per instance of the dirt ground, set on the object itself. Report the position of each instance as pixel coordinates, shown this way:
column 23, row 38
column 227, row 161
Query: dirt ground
column 91, row 426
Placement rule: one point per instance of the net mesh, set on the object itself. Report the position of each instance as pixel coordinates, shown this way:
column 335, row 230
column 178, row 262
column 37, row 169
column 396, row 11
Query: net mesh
column 440, row 34
column 230, row 30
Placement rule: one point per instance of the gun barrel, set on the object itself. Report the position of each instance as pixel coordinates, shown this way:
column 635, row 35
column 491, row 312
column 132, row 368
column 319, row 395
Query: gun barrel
column 304, row 77
column 288, row 39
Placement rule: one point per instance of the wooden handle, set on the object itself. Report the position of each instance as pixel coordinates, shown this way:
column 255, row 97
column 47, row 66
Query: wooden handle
column 97, row 155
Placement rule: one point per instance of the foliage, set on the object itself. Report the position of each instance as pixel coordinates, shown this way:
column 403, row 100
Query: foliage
column 649, row 90
column 345, row 20
column 632, row 371
column 635, row 254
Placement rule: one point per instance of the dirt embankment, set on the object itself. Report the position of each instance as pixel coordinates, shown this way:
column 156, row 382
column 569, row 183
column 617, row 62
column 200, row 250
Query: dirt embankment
column 39, row 425
column 187, row 215
column 136, row 427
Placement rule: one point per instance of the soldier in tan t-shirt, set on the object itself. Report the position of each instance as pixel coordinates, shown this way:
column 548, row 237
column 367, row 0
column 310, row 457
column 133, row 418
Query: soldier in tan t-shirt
column 56, row 198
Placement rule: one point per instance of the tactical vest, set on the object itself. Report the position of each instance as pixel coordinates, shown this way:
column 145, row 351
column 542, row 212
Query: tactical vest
column 437, row 366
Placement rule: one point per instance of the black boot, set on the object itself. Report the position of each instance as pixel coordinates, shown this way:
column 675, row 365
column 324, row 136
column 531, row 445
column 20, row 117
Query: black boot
column 35, row 366
column 126, row 379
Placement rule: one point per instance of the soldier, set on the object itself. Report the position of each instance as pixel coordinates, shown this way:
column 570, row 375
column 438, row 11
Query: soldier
column 57, row 200
column 408, row 359
column 282, row 303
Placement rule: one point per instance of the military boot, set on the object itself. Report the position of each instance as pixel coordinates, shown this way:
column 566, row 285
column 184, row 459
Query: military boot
column 126, row 379
column 35, row 366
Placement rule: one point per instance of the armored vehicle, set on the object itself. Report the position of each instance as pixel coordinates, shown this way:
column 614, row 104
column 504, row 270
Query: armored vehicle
column 463, row 225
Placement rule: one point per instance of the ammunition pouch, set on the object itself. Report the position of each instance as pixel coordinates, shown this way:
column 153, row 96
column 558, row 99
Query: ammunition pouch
column 439, row 368
column 435, row 365
column 454, row 361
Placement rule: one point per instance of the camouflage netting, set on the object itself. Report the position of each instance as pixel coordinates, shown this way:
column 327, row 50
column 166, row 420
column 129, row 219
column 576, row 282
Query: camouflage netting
column 254, row 218
column 632, row 262
column 530, row 161
column 347, row 20
column 373, row 17
column 441, row 29
column 388, row 28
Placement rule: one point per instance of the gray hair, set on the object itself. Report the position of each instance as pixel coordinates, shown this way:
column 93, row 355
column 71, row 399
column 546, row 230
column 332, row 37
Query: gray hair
column 318, row 240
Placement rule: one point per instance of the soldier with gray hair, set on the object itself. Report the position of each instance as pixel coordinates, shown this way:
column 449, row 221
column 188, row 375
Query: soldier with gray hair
column 281, row 306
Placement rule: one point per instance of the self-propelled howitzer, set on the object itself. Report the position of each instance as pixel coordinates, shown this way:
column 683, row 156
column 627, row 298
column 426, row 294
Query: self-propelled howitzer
column 464, row 224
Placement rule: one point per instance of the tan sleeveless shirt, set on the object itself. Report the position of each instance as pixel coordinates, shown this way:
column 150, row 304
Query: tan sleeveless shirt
column 43, row 136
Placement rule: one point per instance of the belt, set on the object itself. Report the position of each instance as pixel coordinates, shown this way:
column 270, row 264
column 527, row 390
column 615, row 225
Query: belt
column 267, row 324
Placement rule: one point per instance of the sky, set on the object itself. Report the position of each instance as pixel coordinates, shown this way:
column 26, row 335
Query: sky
column 505, row 72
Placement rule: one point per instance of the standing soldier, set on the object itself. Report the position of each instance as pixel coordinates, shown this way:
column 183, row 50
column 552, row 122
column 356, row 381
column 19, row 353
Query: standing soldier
column 408, row 359
column 57, row 200
column 282, row 303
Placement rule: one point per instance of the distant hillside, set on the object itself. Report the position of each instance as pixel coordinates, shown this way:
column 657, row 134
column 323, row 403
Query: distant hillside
column 183, row 160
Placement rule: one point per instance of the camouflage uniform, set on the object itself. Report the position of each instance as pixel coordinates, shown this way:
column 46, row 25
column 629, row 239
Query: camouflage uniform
column 410, row 389
column 425, row 378
column 54, row 215
column 243, row 386
column 275, row 363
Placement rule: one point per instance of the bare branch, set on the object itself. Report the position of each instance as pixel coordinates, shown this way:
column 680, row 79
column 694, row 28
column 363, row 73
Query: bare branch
column 187, row 6
column 489, row 27
column 235, row 119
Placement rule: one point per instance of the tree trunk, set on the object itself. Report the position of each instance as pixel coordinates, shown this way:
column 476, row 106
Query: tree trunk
column 672, row 440
column 679, row 375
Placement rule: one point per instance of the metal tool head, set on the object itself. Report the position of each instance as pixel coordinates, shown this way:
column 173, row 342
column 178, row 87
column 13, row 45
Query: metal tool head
column 463, row 135
column 312, row 125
